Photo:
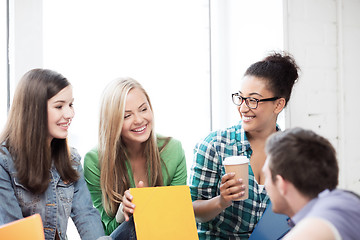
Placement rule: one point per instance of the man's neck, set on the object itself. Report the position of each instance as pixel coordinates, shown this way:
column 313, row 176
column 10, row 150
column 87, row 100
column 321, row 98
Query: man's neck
column 297, row 201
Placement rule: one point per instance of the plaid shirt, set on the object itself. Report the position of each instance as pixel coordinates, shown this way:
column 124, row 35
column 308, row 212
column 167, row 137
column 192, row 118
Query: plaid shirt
column 238, row 220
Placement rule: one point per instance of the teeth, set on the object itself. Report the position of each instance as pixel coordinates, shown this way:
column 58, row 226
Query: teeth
column 66, row 124
column 247, row 118
column 139, row 129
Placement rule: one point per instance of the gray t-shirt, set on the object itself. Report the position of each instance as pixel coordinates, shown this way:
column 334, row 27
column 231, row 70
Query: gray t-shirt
column 341, row 208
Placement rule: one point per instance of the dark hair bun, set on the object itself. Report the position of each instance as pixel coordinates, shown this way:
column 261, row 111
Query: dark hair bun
column 280, row 70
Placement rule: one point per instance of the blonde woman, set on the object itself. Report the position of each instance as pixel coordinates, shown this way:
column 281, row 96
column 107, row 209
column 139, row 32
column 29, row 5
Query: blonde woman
column 129, row 154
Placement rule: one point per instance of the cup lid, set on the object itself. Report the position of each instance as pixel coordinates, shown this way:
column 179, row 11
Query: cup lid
column 234, row 160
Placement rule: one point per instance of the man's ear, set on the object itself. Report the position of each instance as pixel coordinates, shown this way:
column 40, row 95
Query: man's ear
column 280, row 104
column 281, row 185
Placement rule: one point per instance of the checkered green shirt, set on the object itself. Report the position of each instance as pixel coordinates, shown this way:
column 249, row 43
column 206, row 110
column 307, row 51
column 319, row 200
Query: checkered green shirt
column 238, row 220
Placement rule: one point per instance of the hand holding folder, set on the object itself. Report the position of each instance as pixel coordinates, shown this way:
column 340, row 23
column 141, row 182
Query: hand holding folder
column 164, row 213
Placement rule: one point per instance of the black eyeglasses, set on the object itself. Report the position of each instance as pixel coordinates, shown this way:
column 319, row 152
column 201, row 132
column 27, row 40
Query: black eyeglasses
column 250, row 101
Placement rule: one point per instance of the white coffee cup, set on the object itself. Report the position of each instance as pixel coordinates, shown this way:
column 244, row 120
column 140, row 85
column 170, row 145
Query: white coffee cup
column 240, row 166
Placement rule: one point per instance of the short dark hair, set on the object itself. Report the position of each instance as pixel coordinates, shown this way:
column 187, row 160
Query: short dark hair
column 303, row 158
column 280, row 71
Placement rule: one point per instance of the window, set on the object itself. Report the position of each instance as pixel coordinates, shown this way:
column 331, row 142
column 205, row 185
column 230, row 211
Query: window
column 242, row 32
column 162, row 44
column 189, row 56
column 3, row 64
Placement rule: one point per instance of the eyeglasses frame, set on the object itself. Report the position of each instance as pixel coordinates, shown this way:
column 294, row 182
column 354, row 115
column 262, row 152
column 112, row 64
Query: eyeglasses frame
column 244, row 99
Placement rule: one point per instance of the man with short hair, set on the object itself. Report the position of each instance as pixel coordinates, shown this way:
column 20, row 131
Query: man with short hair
column 301, row 175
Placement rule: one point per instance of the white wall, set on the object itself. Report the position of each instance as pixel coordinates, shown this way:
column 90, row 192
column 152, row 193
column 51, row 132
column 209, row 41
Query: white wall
column 349, row 24
column 324, row 36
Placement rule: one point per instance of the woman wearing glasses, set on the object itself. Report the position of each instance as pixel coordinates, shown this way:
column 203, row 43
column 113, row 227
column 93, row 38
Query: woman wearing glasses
column 264, row 92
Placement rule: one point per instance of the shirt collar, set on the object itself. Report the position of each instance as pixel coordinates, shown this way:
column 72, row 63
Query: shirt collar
column 241, row 134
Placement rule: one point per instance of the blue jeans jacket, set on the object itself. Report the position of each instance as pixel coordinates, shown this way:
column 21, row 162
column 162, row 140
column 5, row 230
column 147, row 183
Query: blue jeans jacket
column 59, row 202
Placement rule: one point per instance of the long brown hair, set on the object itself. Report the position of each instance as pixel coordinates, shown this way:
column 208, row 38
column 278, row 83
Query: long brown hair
column 114, row 176
column 26, row 131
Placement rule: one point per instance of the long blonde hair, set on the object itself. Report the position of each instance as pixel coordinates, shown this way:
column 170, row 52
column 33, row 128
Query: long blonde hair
column 114, row 178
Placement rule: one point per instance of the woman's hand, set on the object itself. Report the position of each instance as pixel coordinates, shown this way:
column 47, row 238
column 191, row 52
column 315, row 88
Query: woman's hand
column 128, row 206
column 230, row 189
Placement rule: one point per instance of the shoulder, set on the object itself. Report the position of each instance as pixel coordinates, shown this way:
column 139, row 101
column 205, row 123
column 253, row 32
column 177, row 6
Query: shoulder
column 314, row 228
column 74, row 155
column 75, row 159
column 228, row 136
column 91, row 157
column 337, row 201
column 173, row 143
column 340, row 208
column 6, row 160
column 93, row 153
column 168, row 144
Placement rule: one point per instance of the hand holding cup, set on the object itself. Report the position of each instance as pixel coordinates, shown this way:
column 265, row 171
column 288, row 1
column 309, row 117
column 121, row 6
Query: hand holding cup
column 239, row 165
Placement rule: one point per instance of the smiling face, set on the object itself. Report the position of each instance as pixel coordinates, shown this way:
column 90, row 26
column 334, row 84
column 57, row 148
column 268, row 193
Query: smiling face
column 138, row 118
column 60, row 113
column 265, row 115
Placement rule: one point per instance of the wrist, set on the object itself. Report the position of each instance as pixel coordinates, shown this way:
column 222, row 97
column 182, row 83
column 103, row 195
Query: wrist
column 222, row 203
column 119, row 217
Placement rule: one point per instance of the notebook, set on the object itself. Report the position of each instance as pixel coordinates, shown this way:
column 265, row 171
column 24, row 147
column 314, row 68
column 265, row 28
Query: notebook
column 30, row 228
column 272, row 226
column 164, row 213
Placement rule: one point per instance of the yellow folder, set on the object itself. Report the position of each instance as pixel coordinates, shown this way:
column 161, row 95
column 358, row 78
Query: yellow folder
column 29, row 228
column 163, row 213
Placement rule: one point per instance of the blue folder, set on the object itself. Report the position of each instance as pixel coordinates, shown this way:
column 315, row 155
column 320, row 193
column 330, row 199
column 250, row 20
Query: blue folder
column 271, row 226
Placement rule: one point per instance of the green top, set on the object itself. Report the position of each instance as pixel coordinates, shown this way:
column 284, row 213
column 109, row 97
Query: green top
column 173, row 156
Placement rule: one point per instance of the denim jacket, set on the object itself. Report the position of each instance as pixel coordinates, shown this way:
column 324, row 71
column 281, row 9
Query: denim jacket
column 59, row 202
